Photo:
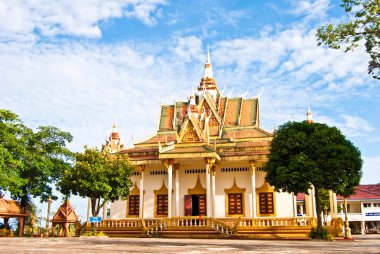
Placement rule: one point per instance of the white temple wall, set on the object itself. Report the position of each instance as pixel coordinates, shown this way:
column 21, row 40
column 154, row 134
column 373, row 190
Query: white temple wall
column 284, row 204
column 152, row 183
column 224, row 180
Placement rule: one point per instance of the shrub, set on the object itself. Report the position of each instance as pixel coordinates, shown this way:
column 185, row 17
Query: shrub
column 314, row 234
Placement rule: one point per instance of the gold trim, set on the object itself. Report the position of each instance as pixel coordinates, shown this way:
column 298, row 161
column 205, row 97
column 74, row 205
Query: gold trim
column 234, row 189
column 252, row 165
column 135, row 191
column 265, row 188
column 213, row 170
column 198, row 188
column 161, row 191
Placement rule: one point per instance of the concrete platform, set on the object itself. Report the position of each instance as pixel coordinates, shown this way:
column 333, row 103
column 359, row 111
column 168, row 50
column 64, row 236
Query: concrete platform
column 361, row 244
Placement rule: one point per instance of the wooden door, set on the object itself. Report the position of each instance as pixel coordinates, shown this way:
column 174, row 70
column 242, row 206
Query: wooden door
column 188, row 205
column 202, row 205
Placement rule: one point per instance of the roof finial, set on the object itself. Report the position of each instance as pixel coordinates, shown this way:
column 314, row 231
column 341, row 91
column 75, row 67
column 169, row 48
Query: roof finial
column 208, row 68
column 208, row 61
column 309, row 116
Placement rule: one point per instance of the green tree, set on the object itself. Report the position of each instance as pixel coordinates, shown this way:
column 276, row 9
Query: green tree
column 31, row 162
column 305, row 155
column 99, row 176
column 363, row 25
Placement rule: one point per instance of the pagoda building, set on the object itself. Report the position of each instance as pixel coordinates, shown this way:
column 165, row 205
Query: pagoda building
column 204, row 160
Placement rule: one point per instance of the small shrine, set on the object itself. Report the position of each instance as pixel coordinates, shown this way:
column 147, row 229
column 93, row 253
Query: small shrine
column 65, row 216
column 11, row 209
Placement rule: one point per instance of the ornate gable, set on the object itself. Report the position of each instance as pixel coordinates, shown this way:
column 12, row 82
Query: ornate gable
column 189, row 132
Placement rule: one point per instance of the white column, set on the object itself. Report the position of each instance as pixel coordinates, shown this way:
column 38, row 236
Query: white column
column 209, row 162
column 308, row 203
column 176, row 166
column 88, row 209
column 141, row 208
column 363, row 227
column 335, row 205
column 213, row 173
column 332, row 212
column 170, row 187
column 294, row 205
column 105, row 206
column 253, row 185
column 314, row 211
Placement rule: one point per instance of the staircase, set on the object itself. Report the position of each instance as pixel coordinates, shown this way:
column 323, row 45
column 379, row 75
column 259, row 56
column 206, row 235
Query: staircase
column 189, row 227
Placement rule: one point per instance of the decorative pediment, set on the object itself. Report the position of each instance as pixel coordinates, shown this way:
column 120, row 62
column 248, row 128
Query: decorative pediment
column 234, row 188
column 198, row 188
column 265, row 188
column 161, row 191
column 189, row 131
column 208, row 104
column 135, row 190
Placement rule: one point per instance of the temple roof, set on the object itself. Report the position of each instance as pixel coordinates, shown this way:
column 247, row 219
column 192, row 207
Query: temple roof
column 209, row 125
column 65, row 213
column 189, row 152
column 11, row 208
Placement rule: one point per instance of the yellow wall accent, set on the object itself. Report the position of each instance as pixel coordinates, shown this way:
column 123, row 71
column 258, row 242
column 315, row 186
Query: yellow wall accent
column 198, row 188
column 161, row 191
column 134, row 191
column 265, row 188
column 235, row 189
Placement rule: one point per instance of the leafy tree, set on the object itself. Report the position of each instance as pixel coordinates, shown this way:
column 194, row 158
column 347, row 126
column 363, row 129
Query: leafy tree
column 305, row 155
column 30, row 162
column 363, row 25
column 98, row 175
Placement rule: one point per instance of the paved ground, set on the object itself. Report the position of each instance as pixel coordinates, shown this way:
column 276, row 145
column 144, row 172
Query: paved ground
column 362, row 244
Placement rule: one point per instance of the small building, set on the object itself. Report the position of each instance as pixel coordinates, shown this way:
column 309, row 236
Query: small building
column 12, row 209
column 62, row 219
column 363, row 209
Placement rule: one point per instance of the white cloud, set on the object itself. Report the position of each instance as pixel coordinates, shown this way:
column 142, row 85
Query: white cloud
column 311, row 9
column 82, row 88
column 19, row 20
column 217, row 15
column 188, row 48
column 351, row 126
column 371, row 170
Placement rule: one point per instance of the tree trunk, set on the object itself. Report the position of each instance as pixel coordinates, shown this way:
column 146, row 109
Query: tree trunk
column 95, row 206
column 319, row 211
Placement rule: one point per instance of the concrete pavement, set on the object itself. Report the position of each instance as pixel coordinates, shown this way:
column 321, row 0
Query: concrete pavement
column 362, row 244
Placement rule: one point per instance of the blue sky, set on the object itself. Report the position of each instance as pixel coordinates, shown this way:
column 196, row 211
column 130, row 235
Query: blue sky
column 81, row 65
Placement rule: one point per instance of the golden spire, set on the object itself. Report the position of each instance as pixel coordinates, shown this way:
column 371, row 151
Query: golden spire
column 309, row 116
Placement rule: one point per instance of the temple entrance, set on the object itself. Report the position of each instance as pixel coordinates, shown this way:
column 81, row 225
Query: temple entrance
column 195, row 205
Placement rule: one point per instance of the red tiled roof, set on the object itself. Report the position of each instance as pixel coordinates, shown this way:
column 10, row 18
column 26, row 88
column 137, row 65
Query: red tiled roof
column 245, row 133
column 233, row 111
column 166, row 119
column 253, row 143
column 160, row 137
column 136, row 154
column 248, row 112
column 365, row 192
column 300, row 196
column 222, row 106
